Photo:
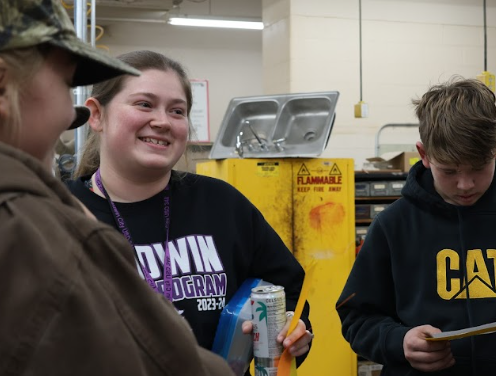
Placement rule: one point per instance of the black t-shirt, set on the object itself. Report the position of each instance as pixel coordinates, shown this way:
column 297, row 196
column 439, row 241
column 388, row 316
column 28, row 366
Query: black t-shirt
column 217, row 239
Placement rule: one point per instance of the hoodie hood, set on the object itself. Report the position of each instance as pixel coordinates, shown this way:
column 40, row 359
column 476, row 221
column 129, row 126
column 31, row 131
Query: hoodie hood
column 419, row 189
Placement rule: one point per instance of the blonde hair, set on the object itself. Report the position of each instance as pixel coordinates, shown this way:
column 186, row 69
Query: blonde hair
column 105, row 91
column 22, row 64
column 457, row 122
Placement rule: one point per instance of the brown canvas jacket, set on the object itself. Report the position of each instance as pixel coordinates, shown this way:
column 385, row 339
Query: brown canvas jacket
column 71, row 301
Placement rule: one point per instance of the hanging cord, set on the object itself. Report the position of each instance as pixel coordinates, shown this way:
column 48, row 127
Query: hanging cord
column 69, row 6
column 485, row 38
column 468, row 304
column 360, row 42
column 101, row 31
column 66, row 6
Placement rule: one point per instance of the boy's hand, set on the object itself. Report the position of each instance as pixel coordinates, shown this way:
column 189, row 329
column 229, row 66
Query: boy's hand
column 427, row 356
column 297, row 342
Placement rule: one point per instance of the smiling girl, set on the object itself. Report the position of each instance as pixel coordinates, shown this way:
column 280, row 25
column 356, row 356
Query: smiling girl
column 196, row 239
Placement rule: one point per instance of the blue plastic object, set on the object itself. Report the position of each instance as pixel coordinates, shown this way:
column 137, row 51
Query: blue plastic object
column 230, row 342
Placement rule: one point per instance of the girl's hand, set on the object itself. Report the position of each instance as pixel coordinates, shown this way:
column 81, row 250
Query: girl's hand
column 297, row 342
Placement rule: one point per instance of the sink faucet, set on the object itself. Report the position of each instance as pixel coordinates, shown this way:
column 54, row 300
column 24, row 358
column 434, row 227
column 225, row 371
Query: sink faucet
column 262, row 144
column 239, row 144
column 277, row 144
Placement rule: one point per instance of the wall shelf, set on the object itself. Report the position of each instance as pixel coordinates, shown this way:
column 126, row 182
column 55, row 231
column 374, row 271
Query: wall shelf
column 377, row 198
column 363, row 221
column 370, row 206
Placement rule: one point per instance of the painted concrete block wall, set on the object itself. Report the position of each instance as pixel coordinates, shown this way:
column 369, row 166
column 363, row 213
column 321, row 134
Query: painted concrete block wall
column 407, row 46
column 313, row 45
column 276, row 54
column 276, row 46
column 230, row 60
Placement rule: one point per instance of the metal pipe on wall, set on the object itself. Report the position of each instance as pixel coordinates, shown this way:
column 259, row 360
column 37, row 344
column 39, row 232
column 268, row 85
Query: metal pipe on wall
column 93, row 23
column 80, row 92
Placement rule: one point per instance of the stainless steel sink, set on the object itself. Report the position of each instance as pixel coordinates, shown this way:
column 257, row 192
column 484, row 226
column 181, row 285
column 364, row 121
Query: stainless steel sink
column 276, row 126
column 260, row 116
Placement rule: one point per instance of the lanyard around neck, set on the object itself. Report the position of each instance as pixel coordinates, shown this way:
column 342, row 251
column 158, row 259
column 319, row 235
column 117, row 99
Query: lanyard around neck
column 121, row 225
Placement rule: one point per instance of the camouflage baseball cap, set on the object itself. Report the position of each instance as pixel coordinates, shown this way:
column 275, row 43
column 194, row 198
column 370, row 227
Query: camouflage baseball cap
column 27, row 23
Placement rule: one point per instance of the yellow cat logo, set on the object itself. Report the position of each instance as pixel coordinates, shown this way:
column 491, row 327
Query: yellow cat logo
column 450, row 280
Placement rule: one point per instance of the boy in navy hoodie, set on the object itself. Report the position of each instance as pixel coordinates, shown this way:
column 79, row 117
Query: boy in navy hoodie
column 428, row 262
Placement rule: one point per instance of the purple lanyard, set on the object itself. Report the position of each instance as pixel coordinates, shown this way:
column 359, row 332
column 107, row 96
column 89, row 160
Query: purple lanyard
column 119, row 220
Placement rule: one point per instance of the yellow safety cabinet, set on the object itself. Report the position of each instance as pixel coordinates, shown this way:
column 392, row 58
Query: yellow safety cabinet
column 310, row 203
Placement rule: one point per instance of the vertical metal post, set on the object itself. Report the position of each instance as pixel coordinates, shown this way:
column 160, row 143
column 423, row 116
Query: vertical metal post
column 93, row 23
column 80, row 93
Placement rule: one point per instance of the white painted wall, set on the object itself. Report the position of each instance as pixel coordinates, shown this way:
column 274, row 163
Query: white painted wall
column 229, row 60
column 407, row 45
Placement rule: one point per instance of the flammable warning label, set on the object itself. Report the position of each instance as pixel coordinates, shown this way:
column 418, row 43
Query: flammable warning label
column 266, row 169
column 319, row 180
column 323, row 178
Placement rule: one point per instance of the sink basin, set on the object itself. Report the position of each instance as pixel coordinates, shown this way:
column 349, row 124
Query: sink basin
column 259, row 115
column 276, row 126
